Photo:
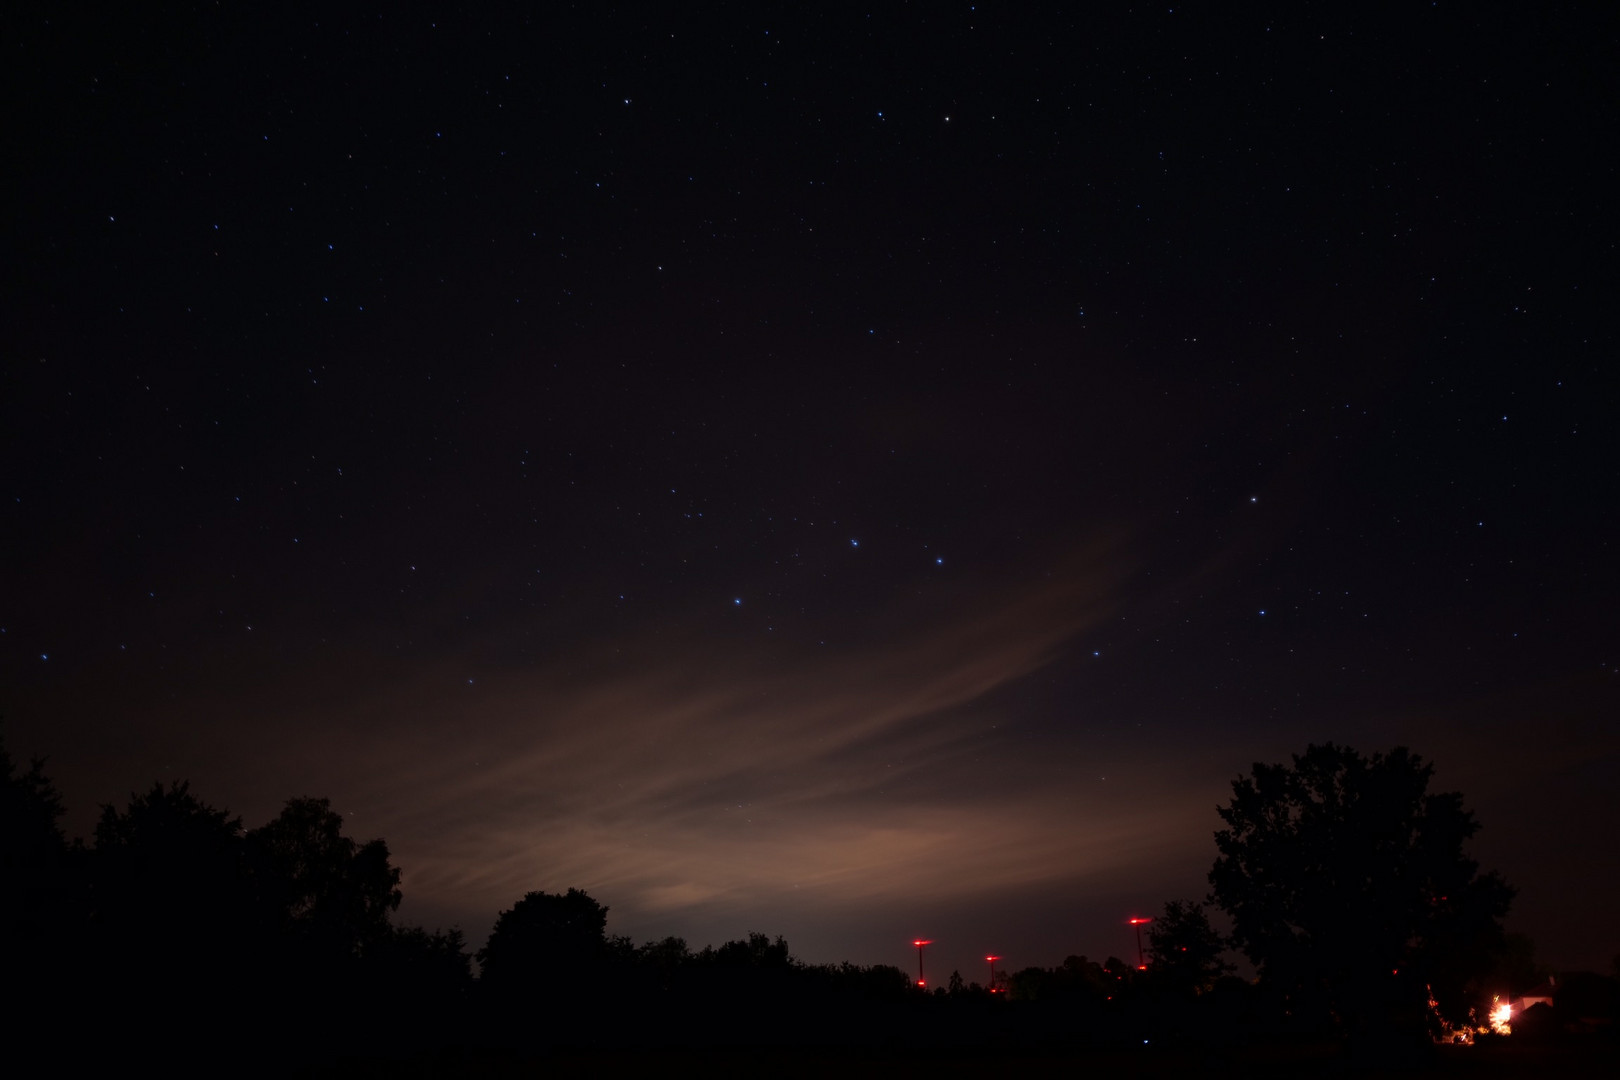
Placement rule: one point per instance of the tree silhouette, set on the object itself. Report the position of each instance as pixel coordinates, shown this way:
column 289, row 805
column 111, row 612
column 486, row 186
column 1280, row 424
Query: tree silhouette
column 1347, row 884
column 168, row 876
column 544, row 940
column 175, row 945
column 419, row 974
column 1077, row 978
column 37, row 901
column 30, row 808
column 179, row 933
column 168, row 827
column 1184, row 951
column 880, row 982
column 758, row 951
column 329, row 892
column 194, row 923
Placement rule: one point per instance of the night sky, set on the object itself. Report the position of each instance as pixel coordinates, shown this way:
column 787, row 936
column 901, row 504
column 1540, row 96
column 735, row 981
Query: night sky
column 847, row 473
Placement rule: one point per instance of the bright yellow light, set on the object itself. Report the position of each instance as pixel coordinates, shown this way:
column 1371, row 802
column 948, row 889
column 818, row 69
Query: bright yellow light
column 1501, row 1013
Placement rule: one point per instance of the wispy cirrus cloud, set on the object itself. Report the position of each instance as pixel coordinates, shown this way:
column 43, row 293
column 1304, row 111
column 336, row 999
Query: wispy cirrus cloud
column 707, row 775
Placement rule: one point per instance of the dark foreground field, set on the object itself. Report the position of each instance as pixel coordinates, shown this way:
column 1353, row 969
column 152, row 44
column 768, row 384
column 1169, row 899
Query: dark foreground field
column 1499, row 1061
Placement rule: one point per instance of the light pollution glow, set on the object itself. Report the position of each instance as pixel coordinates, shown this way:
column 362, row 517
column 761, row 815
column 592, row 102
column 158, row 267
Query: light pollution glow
column 697, row 783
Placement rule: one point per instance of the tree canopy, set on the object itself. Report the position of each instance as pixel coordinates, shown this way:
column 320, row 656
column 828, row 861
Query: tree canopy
column 30, row 809
column 35, row 897
column 328, row 889
column 1184, row 950
column 1347, row 883
column 168, row 893
column 543, row 939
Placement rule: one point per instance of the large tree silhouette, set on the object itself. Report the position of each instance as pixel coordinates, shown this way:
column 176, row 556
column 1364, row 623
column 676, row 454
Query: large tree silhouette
column 328, row 891
column 1347, row 885
column 193, row 923
column 545, row 943
column 168, row 889
column 173, row 949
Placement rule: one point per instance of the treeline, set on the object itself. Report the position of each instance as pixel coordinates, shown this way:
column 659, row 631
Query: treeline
column 177, row 933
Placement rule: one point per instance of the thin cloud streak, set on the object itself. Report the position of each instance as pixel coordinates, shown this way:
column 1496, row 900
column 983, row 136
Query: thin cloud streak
column 724, row 778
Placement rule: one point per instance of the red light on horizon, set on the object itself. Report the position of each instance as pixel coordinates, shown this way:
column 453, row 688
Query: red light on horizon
column 992, row 958
column 1136, row 922
column 920, row 942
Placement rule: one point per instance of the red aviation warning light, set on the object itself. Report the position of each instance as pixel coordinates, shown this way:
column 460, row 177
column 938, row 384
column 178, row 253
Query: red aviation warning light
column 991, row 960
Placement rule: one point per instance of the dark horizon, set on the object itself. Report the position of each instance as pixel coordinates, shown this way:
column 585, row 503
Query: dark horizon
column 853, row 476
